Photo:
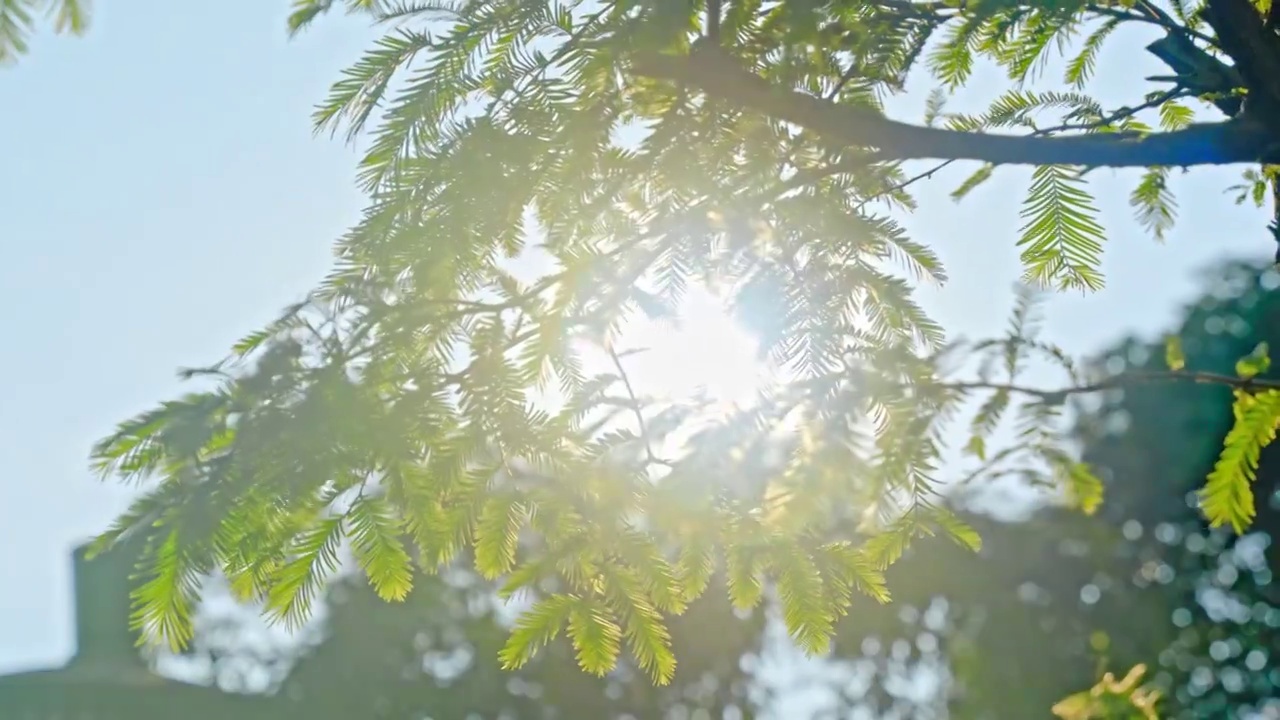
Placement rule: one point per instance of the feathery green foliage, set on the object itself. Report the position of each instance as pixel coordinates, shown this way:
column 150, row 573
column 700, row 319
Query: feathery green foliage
column 431, row 403
column 1227, row 498
column 18, row 19
column 1061, row 238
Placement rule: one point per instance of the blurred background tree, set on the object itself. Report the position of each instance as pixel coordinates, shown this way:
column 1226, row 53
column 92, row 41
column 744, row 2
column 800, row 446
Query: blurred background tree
column 1052, row 601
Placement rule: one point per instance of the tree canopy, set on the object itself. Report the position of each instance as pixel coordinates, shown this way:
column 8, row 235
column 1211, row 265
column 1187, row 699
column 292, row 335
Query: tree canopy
column 540, row 173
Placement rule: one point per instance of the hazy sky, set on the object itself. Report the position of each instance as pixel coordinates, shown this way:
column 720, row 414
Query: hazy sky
column 161, row 194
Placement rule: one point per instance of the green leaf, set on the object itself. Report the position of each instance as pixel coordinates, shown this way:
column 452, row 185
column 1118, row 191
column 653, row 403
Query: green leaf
column 376, row 540
column 1080, row 68
column 1175, row 116
column 1174, row 357
column 848, row 569
column 295, row 585
column 1255, row 363
column 497, row 534
column 363, row 87
column 17, row 22
column 71, row 16
column 976, row 447
column 978, row 177
column 164, row 604
column 743, row 567
column 643, row 626
column 887, row 547
column 1084, row 488
column 307, row 11
column 1227, row 497
column 958, row 530
column 802, row 594
column 535, row 628
column 1061, row 240
column 952, row 60
column 697, row 564
column 933, row 106
column 596, row 636
column 1154, row 204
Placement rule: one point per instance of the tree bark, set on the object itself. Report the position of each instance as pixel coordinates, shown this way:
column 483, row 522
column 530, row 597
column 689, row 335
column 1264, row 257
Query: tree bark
column 1244, row 37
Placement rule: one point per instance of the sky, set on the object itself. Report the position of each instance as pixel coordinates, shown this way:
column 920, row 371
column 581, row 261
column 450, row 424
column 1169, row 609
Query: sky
column 162, row 194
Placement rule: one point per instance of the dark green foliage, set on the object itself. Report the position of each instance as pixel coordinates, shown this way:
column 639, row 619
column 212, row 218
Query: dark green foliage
column 1146, row 580
column 1169, row 439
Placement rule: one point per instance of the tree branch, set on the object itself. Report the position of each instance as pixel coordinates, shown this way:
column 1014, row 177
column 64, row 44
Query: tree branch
column 715, row 73
column 642, row 430
column 809, row 175
column 1119, row 381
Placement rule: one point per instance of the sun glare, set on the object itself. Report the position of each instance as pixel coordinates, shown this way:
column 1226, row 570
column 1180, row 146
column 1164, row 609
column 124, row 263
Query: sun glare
column 703, row 352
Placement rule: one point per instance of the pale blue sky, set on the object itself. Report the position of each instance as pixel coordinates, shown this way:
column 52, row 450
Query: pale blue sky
column 161, row 194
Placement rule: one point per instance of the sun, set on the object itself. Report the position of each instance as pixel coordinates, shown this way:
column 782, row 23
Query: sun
column 702, row 352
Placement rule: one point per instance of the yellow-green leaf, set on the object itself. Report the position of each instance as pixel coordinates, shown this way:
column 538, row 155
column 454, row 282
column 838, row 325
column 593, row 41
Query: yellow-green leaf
column 743, row 570
column 497, row 534
column 536, row 627
column 596, row 636
column 1227, row 497
column 163, row 605
column 977, row 447
column 376, row 541
column 1255, row 363
column 643, row 625
column 1174, row 357
column 294, row 585
column 958, row 530
column 1083, row 487
column 807, row 615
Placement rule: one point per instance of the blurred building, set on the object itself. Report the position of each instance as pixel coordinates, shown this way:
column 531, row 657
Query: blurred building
column 107, row 678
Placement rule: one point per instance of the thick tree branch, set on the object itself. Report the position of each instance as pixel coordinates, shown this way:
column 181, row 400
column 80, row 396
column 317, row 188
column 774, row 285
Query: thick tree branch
column 1200, row 72
column 715, row 73
column 1255, row 49
column 809, row 175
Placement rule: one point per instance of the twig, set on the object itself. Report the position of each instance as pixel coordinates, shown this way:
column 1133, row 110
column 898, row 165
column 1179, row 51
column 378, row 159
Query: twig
column 1151, row 15
column 635, row 402
column 927, row 174
column 1118, row 381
